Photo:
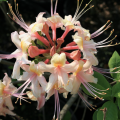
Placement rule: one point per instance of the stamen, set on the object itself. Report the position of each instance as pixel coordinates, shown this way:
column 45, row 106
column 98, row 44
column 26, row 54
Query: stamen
column 51, row 7
column 78, row 7
column 18, row 19
column 100, row 29
column 86, row 102
column 79, row 15
column 55, row 6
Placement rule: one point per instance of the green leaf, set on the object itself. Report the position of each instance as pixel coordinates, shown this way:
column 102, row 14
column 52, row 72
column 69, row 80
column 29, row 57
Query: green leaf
column 2, row 0
column 95, row 115
column 118, row 102
column 67, row 116
column 116, row 90
column 113, row 63
column 102, row 80
column 111, row 113
column 118, row 114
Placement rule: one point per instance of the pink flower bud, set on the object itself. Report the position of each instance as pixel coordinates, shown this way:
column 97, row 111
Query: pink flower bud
column 60, row 41
column 75, row 55
column 45, row 28
column 33, row 51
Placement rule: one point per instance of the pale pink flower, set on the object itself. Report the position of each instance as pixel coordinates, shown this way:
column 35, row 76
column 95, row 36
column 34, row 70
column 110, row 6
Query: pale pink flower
column 59, row 77
column 33, row 75
column 6, row 91
column 20, row 53
column 86, row 48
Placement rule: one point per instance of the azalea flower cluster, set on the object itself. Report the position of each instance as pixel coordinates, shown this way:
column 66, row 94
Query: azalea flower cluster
column 69, row 66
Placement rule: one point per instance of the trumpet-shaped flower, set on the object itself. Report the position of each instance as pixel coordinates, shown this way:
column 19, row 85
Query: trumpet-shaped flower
column 84, row 46
column 6, row 91
column 20, row 53
column 59, row 77
column 34, row 76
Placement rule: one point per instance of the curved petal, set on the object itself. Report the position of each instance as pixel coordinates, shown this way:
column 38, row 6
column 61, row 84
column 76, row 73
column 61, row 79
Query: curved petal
column 62, row 78
column 42, row 81
column 6, row 80
column 50, row 93
column 25, row 76
column 36, row 89
column 51, row 83
column 46, row 68
column 91, row 57
column 87, row 65
column 24, row 59
column 16, row 70
column 25, row 67
column 15, row 39
column 7, row 111
column 40, row 18
column 76, row 84
column 88, row 77
column 8, row 103
column 72, row 67
column 41, row 102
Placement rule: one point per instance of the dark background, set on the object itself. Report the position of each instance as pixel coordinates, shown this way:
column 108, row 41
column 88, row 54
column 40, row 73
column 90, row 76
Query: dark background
column 93, row 19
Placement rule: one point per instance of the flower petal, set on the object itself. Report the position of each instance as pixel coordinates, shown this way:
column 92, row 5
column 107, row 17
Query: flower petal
column 42, row 81
column 72, row 67
column 6, row 80
column 16, row 70
column 46, row 68
column 51, row 83
column 15, row 39
column 8, row 103
column 41, row 102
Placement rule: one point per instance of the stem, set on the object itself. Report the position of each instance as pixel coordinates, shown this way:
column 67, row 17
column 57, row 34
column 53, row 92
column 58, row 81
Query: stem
column 68, row 105
column 71, row 44
column 65, row 33
column 50, row 40
column 54, row 32
column 70, row 48
column 42, row 39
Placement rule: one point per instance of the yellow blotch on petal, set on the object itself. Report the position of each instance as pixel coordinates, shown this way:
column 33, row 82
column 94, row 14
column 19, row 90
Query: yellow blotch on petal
column 24, row 45
column 37, row 27
column 34, row 68
column 79, row 41
column 81, row 63
column 1, row 88
column 87, row 35
column 58, row 60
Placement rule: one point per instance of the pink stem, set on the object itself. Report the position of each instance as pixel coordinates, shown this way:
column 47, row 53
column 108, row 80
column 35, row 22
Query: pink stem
column 70, row 48
column 65, row 33
column 68, row 55
column 71, row 44
column 49, row 38
column 46, row 61
column 54, row 32
column 42, row 51
column 42, row 39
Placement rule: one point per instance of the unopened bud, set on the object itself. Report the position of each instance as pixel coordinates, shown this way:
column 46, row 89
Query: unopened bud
column 60, row 41
column 45, row 28
column 33, row 51
column 75, row 55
